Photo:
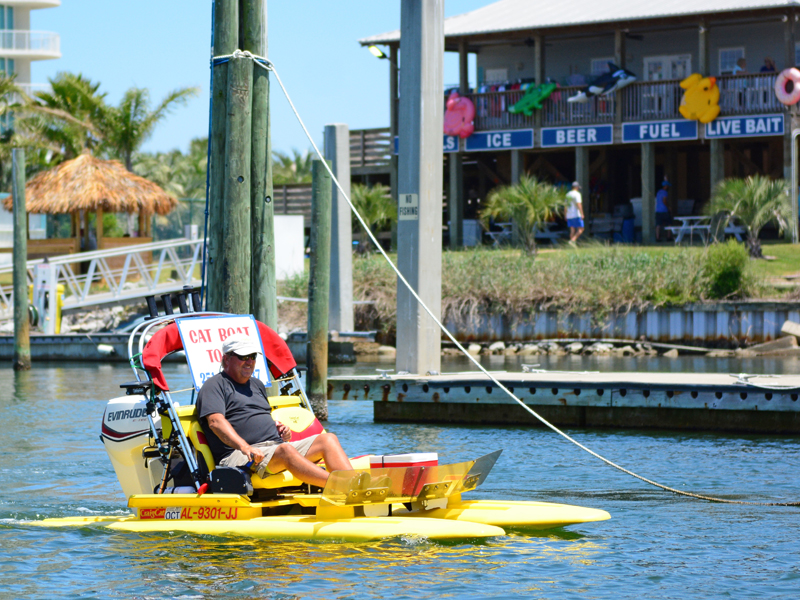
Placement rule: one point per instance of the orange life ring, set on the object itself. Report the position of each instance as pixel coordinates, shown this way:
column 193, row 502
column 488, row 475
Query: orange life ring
column 787, row 86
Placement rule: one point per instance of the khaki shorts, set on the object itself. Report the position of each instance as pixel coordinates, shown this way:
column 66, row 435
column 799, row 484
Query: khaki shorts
column 239, row 459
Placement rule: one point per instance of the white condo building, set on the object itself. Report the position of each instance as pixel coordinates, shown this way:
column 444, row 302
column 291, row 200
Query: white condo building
column 19, row 46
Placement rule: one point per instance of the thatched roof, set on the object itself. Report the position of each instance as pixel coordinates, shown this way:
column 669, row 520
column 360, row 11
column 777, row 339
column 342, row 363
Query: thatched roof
column 89, row 183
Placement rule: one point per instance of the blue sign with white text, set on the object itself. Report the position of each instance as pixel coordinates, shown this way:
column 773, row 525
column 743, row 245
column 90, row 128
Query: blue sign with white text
column 585, row 135
column 659, row 131
column 500, row 140
column 449, row 144
column 750, row 126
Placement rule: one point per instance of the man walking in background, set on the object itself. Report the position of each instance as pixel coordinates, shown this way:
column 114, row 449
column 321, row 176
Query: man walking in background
column 575, row 213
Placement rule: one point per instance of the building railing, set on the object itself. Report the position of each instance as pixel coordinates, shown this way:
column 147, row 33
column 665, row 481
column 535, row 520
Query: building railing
column 748, row 94
column 557, row 110
column 651, row 100
column 370, row 147
column 24, row 42
column 491, row 111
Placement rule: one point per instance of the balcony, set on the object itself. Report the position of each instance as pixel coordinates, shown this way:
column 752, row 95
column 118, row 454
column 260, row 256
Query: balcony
column 641, row 101
column 33, row 45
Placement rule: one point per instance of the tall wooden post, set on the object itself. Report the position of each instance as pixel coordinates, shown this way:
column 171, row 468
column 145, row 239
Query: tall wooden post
column 319, row 289
column 263, row 279
column 226, row 32
column 22, row 334
column 236, row 247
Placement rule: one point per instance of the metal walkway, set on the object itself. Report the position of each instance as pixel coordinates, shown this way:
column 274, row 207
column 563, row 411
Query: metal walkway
column 89, row 279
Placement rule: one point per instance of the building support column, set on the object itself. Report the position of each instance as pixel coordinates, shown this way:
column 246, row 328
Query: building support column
column 582, row 177
column 516, row 173
column 670, row 174
column 455, row 192
column 337, row 152
column 702, row 49
column 455, row 200
column 648, row 193
column 717, row 150
column 620, row 50
column 539, row 75
column 419, row 257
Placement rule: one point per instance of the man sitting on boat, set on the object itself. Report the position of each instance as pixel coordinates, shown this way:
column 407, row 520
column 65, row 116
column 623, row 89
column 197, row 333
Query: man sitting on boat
column 236, row 418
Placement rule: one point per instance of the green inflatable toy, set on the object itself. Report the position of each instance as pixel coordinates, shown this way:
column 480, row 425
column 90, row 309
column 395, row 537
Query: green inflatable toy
column 533, row 98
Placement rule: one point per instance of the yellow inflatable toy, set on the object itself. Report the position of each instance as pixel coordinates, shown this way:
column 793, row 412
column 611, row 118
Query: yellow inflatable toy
column 700, row 101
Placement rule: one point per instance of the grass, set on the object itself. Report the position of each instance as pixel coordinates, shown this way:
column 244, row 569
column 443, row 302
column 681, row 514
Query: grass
column 595, row 278
column 786, row 260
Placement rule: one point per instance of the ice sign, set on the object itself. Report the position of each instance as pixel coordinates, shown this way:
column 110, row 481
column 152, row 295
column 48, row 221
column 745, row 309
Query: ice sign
column 203, row 337
column 408, row 207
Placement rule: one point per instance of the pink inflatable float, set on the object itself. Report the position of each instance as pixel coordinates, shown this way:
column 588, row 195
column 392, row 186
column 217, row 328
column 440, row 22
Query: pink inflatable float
column 787, row 86
column 458, row 116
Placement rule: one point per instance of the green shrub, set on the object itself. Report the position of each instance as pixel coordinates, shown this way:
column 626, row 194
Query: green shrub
column 725, row 269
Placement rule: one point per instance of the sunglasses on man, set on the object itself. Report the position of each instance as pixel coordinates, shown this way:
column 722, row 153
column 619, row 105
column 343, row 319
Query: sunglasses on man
column 246, row 357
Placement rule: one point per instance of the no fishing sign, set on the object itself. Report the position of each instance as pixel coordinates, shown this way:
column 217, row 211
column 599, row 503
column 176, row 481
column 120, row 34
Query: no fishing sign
column 202, row 341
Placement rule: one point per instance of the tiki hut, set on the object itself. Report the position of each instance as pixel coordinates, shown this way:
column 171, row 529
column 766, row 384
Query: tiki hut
column 87, row 185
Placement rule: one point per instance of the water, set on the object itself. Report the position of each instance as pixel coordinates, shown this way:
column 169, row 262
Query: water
column 656, row 545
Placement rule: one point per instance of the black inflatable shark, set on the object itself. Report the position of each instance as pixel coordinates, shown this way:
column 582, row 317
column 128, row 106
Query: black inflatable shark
column 615, row 79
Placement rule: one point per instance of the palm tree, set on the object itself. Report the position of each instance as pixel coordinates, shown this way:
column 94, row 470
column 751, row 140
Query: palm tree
column 755, row 201
column 376, row 206
column 529, row 204
column 63, row 118
column 291, row 169
column 126, row 127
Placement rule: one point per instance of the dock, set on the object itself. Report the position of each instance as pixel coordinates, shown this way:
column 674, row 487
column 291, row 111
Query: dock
column 113, row 347
column 685, row 401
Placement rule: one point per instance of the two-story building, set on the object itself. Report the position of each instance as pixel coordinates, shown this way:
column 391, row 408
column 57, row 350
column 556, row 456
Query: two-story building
column 622, row 145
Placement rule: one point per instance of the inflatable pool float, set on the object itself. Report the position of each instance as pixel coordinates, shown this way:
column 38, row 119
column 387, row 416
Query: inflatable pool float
column 787, row 86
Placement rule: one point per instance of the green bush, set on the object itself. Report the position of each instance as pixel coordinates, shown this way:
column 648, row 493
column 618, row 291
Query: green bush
column 725, row 269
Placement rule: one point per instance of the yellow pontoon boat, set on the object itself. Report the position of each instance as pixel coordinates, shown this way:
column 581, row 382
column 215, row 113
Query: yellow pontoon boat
column 167, row 472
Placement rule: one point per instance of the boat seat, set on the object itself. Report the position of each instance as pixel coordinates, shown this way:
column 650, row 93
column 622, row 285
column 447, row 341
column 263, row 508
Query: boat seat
column 194, row 431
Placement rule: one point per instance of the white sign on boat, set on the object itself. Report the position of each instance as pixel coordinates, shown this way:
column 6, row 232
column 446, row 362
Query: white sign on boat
column 202, row 340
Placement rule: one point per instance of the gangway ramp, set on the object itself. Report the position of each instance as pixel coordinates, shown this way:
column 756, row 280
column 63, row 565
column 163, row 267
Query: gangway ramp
column 94, row 279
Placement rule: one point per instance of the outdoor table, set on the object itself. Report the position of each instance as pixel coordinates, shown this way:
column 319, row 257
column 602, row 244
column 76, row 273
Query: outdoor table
column 702, row 225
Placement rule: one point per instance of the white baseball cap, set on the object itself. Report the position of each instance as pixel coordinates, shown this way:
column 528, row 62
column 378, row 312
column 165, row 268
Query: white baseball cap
column 241, row 344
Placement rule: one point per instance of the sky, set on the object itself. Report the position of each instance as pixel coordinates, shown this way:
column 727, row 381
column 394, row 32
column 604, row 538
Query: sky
column 163, row 45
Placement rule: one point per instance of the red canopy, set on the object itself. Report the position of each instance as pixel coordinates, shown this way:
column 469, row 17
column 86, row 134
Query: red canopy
column 276, row 352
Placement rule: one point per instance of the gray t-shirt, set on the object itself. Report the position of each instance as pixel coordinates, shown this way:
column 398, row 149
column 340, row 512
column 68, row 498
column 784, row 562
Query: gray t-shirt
column 244, row 405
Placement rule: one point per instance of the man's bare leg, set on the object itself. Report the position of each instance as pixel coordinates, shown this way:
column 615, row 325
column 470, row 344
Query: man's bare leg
column 325, row 447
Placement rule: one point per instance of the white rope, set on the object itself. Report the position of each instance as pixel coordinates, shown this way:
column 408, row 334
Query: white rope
column 744, row 379
column 269, row 66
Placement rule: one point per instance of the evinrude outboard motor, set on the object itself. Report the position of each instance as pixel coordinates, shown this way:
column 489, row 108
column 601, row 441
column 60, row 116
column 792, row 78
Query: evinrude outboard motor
column 125, row 434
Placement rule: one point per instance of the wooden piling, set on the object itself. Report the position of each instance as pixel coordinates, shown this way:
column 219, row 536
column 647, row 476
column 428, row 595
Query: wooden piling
column 263, row 284
column 236, row 247
column 226, row 32
column 319, row 289
column 22, row 334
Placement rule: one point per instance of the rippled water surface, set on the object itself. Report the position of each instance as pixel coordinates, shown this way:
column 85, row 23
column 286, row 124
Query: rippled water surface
column 657, row 545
